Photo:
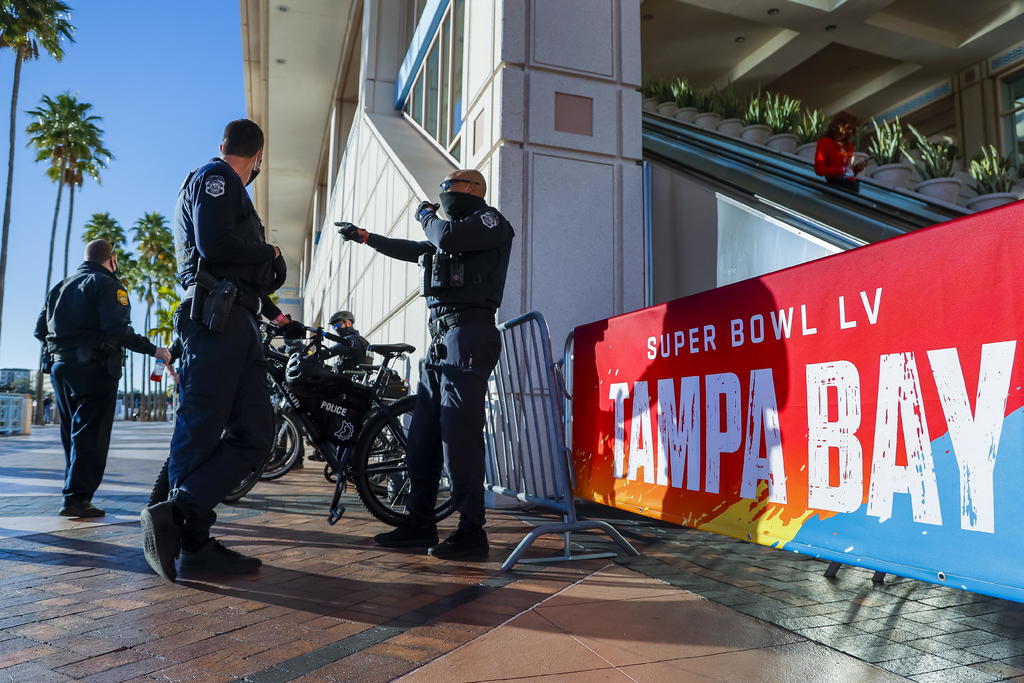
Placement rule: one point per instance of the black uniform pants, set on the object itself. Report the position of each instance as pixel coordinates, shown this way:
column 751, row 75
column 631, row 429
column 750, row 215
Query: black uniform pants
column 224, row 427
column 86, row 395
column 448, row 423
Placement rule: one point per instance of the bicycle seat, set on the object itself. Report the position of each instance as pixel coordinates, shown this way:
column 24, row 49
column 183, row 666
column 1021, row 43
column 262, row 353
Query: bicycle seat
column 390, row 350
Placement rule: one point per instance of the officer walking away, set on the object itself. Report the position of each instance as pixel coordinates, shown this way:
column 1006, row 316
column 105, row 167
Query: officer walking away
column 464, row 261
column 86, row 324
column 351, row 351
column 223, row 427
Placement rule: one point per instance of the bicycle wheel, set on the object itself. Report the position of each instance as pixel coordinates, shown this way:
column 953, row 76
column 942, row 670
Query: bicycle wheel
column 381, row 479
column 287, row 448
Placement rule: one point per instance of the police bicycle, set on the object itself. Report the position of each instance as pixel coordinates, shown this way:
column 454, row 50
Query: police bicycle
column 361, row 435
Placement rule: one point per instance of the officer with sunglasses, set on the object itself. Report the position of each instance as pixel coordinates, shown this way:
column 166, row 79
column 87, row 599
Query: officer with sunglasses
column 351, row 351
column 464, row 261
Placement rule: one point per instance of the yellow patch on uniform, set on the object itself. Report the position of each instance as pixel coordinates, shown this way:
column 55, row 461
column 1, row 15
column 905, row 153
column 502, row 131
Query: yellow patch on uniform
column 122, row 297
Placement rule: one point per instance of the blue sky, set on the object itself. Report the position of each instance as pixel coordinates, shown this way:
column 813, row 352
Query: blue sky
column 165, row 77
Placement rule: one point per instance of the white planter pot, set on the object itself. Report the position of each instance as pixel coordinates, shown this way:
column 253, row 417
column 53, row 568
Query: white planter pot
column 708, row 120
column 991, row 200
column 687, row 114
column 783, row 142
column 730, row 127
column 944, row 189
column 756, row 133
column 807, row 151
column 668, row 108
column 893, row 175
column 650, row 104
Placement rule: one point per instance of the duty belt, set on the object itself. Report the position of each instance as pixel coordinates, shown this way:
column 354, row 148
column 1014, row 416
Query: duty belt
column 245, row 298
column 441, row 324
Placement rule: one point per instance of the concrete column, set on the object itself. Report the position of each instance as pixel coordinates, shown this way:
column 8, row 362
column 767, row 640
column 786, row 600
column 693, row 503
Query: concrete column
column 554, row 124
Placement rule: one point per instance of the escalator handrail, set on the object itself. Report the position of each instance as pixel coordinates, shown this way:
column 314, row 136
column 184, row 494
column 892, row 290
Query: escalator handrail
column 876, row 213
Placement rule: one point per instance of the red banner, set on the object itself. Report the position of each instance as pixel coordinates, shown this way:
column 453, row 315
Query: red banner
column 865, row 407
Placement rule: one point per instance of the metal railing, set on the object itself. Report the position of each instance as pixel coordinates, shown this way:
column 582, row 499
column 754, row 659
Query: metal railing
column 527, row 456
column 12, row 414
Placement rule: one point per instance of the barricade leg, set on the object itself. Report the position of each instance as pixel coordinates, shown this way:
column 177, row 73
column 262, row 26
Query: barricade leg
column 566, row 529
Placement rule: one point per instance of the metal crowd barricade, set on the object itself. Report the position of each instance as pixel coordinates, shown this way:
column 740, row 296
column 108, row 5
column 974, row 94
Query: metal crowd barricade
column 12, row 412
column 527, row 456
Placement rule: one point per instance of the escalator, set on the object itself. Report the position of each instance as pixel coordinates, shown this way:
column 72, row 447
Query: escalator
column 694, row 176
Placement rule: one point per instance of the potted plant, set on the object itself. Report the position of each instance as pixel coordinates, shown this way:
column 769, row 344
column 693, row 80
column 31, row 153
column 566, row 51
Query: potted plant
column 779, row 115
column 889, row 149
column 707, row 104
column 934, row 163
column 993, row 177
column 666, row 101
column 731, row 107
column 649, row 90
column 683, row 94
column 810, row 127
column 755, row 131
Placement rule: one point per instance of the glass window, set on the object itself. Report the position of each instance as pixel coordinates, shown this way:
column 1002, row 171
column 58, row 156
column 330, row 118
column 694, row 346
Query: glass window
column 1013, row 117
column 435, row 100
column 458, row 44
column 430, row 73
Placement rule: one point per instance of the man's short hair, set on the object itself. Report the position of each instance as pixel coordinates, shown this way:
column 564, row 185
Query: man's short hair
column 242, row 138
column 98, row 251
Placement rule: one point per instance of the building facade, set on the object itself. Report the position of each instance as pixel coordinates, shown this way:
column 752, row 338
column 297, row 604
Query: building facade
column 367, row 104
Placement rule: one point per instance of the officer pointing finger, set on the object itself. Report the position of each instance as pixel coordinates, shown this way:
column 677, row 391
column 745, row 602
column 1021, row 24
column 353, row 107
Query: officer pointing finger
column 463, row 261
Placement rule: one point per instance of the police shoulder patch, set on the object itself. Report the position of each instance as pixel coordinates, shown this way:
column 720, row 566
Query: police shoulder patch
column 489, row 219
column 122, row 297
column 214, row 185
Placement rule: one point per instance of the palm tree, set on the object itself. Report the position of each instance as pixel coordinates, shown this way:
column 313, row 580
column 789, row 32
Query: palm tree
column 103, row 226
column 25, row 26
column 78, row 168
column 65, row 135
column 128, row 271
column 154, row 245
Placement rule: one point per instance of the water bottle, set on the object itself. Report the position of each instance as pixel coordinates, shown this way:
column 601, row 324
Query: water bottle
column 158, row 371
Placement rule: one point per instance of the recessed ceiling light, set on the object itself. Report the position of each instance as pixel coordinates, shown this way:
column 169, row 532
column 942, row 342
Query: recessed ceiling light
column 280, row 60
column 773, row 11
column 831, row 27
column 741, row 39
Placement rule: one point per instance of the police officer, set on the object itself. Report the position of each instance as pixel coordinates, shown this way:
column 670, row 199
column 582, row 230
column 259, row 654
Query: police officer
column 86, row 324
column 464, row 261
column 351, row 351
column 223, row 427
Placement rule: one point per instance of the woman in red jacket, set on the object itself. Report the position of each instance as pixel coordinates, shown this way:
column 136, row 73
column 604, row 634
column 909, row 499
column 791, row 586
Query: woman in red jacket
column 833, row 158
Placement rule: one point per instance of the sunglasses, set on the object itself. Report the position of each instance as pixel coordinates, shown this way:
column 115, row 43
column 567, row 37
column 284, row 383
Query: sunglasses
column 447, row 184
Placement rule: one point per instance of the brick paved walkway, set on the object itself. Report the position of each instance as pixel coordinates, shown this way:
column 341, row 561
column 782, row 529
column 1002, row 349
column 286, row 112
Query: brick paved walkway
column 80, row 603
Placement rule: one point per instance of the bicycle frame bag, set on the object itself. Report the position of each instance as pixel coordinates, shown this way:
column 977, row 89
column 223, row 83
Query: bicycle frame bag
column 337, row 405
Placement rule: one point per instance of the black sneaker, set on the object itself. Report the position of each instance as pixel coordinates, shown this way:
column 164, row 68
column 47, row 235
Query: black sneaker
column 161, row 538
column 213, row 556
column 462, row 544
column 408, row 535
column 80, row 508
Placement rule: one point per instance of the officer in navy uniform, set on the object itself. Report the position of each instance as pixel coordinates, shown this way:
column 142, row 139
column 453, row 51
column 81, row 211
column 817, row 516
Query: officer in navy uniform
column 465, row 260
column 86, row 325
column 223, row 428
column 352, row 350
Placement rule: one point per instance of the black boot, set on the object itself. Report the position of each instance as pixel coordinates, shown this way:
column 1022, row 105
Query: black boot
column 462, row 544
column 411, row 534
column 212, row 556
column 80, row 508
column 161, row 538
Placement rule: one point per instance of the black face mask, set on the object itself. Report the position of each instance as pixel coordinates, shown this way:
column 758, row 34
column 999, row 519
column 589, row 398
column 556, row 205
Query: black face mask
column 459, row 204
column 255, row 172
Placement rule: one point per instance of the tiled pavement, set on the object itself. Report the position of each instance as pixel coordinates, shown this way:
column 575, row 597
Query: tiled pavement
column 80, row 603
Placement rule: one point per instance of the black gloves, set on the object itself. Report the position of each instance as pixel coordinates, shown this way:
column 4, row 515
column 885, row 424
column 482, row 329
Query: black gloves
column 293, row 329
column 425, row 210
column 350, row 232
